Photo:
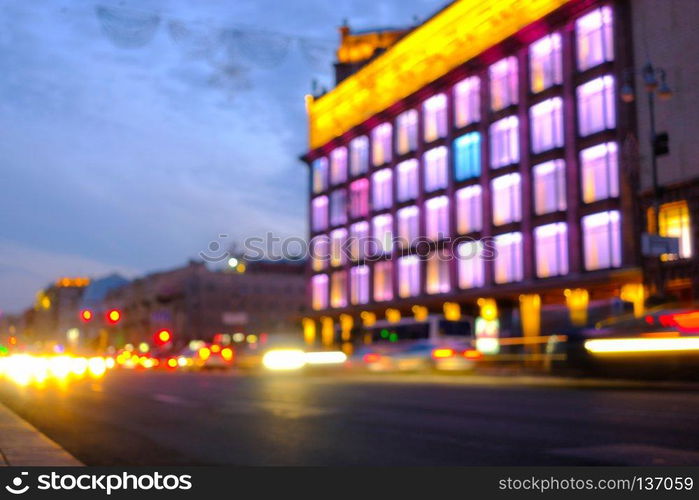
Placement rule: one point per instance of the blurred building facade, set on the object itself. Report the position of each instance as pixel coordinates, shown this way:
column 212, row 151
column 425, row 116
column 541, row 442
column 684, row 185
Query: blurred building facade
column 489, row 161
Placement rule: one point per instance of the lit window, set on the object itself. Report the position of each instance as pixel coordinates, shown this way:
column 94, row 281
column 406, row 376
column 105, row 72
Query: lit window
column 383, row 281
column 338, row 165
column 599, row 169
column 435, row 116
column 359, row 156
column 319, row 291
column 675, row 223
column 549, row 187
column 382, row 226
column 471, row 268
column 436, row 169
column 319, row 213
column 504, row 142
column 359, row 285
column 409, row 276
column 545, row 62
column 437, row 218
column 337, row 241
column 406, row 132
column 359, row 240
column 408, row 183
column 338, row 289
column 547, row 125
column 503, row 83
column 593, row 33
column 338, row 207
column 320, row 175
column 596, row 110
column 507, row 199
column 508, row 261
column 602, row 240
column 408, row 225
column 551, row 250
column 467, row 101
column 469, row 209
column 320, row 252
column 437, row 278
column 382, row 196
column 381, row 143
column 359, row 198
column 467, row 156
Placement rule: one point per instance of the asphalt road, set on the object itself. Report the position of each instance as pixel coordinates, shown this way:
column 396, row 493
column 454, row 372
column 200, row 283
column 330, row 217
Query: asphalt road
column 157, row 418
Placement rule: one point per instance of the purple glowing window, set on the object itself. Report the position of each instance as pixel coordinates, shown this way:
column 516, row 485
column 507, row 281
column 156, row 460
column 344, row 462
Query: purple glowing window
column 508, row 265
column 408, row 225
column 359, row 285
column 382, row 233
column 337, row 241
column 596, row 107
column 601, row 240
column 545, row 65
column 599, row 170
column 503, row 83
column 436, row 169
column 338, row 166
column 382, row 184
column 359, row 156
column 593, row 33
column 338, row 289
column 507, row 199
column 504, row 142
column 338, row 207
column 319, row 292
column 467, row 101
column 547, row 125
column 359, row 240
column 549, row 187
column 408, row 183
column 551, row 242
column 437, row 273
column 320, row 175
column 381, row 138
column 409, row 276
column 359, row 198
column 437, row 218
column 320, row 252
column 434, row 112
column 406, row 131
column 383, row 281
column 471, row 267
column 469, row 209
column 319, row 213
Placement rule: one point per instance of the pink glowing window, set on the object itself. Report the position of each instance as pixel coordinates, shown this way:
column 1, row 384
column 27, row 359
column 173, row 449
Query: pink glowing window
column 338, row 289
column 593, row 33
column 319, row 213
column 507, row 199
column 596, row 107
column 437, row 218
column 359, row 156
column 382, row 233
column 469, row 209
column 504, row 142
column 319, row 292
column 381, row 138
column 338, row 207
column 320, row 252
column 437, row 273
column 337, row 241
column 503, row 83
column 359, row 198
column 320, row 175
column 338, row 166
column 436, row 169
column 382, row 196
column 359, row 285
column 599, row 170
column 467, row 101
column 409, row 276
column 359, row 240
column 471, row 267
column 547, row 124
column 434, row 112
column 601, row 240
column 545, row 65
column 549, row 187
column 551, row 242
column 508, row 265
column 406, row 131
column 408, row 183
column 408, row 226
column 383, row 281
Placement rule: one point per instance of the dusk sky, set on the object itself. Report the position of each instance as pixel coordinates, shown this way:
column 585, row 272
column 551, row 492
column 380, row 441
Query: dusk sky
column 135, row 132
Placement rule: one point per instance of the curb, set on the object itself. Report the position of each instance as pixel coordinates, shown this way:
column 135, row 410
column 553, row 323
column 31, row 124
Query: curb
column 21, row 444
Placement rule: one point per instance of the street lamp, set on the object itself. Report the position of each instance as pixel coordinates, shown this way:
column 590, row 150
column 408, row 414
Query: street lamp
column 654, row 81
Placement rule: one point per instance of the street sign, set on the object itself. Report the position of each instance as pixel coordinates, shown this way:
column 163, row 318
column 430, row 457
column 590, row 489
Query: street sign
column 654, row 245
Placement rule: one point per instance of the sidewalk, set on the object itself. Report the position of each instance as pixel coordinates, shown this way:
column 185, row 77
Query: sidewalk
column 23, row 445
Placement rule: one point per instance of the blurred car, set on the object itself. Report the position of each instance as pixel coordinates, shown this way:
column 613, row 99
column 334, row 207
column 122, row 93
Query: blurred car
column 418, row 356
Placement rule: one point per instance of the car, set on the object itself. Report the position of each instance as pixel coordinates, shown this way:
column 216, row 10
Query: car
column 416, row 356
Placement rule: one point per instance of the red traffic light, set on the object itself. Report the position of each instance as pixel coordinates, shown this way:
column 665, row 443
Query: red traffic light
column 113, row 316
column 163, row 337
column 86, row 315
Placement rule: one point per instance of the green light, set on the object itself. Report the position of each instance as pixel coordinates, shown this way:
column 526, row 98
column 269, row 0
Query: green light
column 384, row 334
column 3, row 349
column 393, row 337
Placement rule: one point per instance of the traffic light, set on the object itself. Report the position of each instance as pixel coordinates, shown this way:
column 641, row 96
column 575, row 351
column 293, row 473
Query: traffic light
column 86, row 315
column 113, row 316
column 163, row 336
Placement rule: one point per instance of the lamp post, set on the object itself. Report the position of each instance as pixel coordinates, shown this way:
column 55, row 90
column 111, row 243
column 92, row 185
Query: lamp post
column 655, row 81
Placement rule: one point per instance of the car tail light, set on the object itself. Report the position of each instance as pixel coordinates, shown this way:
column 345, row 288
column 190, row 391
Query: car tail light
column 472, row 354
column 227, row 353
column 442, row 353
column 686, row 321
column 371, row 357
